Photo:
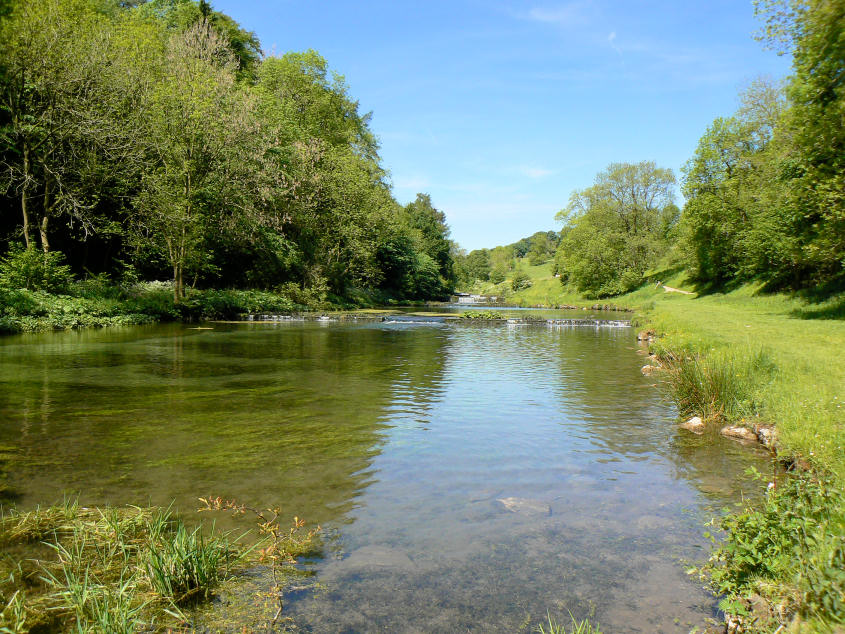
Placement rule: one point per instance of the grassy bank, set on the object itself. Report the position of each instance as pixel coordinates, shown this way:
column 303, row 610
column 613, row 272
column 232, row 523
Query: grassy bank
column 92, row 305
column 128, row 569
column 751, row 358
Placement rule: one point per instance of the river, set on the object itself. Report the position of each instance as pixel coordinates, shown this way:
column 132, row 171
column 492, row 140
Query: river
column 468, row 476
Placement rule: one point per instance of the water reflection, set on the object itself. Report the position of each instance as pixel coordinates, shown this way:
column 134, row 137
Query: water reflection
column 402, row 438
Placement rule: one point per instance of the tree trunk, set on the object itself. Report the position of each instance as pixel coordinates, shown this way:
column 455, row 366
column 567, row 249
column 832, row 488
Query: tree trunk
column 177, row 275
column 24, row 205
column 45, row 243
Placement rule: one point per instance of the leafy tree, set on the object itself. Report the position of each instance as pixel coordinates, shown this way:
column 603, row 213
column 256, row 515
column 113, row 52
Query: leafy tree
column 812, row 30
column 542, row 247
column 196, row 129
column 613, row 231
column 430, row 226
column 180, row 15
column 477, row 265
column 317, row 102
column 52, row 53
column 739, row 220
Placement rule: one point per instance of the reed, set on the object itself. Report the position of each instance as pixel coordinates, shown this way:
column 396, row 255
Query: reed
column 576, row 627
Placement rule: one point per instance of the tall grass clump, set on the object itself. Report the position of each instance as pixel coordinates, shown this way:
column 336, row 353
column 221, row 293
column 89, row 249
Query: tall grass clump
column 576, row 627
column 124, row 569
column 109, row 570
column 188, row 563
column 719, row 385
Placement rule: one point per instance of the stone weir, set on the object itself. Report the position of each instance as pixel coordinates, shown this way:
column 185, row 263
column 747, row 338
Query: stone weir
column 419, row 318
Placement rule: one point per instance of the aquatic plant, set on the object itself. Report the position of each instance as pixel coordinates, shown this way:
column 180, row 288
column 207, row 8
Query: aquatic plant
column 116, row 569
column 577, row 627
column 482, row 314
column 282, row 546
column 188, row 563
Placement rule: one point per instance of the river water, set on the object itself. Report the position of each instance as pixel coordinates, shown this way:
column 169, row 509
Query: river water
column 469, row 477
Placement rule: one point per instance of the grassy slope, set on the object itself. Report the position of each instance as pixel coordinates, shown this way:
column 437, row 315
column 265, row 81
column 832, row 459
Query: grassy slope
column 806, row 395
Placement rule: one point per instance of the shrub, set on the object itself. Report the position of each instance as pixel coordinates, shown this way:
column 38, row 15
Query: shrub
column 520, row 281
column 34, row 270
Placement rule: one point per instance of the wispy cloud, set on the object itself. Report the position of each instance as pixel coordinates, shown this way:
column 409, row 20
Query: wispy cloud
column 535, row 172
column 611, row 39
column 570, row 14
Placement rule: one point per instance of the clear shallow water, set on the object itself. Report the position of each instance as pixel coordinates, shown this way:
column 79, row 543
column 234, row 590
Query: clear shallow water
column 399, row 439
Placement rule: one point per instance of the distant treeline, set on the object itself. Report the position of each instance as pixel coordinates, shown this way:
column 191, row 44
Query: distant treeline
column 495, row 264
column 154, row 140
column 765, row 189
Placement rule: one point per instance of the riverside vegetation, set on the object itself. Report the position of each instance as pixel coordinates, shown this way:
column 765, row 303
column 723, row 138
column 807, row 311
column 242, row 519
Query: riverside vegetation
column 149, row 141
column 126, row 569
column 282, row 193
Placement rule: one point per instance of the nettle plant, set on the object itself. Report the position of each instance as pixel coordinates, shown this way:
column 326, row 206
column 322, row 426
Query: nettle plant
column 798, row 533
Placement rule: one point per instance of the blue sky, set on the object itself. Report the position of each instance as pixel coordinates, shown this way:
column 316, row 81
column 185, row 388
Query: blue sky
column 500, row 109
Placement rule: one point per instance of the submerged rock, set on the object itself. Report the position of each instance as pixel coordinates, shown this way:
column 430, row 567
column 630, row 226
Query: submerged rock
column 740, row 433
column 525, row 506
column 694, row 424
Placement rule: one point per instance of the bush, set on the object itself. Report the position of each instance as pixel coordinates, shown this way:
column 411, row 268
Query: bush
column 34, row 270
column 520, row 281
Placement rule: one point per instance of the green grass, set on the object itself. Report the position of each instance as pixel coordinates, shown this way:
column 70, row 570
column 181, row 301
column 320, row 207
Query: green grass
column 801, row 385
column 576, row 627
column 117, row 569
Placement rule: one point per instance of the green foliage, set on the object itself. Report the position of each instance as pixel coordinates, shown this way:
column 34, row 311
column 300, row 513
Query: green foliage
column 34, row 270
column 482, row 314
column 497, row 275
column 159, row 135
column 615, row 230
column 795, row 538
column 476, row 266
column 812, row 31
column 739, row 221
column 764, row 189
column 520, row 281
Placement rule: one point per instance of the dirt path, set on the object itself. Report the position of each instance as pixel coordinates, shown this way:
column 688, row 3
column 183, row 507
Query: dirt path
column 669, row 289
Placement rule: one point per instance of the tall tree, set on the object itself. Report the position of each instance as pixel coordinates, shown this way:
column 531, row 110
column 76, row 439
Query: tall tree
column 196, row 129
column 738, row 221
column 52, row 53
column 613, row 231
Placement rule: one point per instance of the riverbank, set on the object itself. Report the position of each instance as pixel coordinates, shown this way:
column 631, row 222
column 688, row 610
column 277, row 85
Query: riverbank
column 750, row 358
column 98, row 305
